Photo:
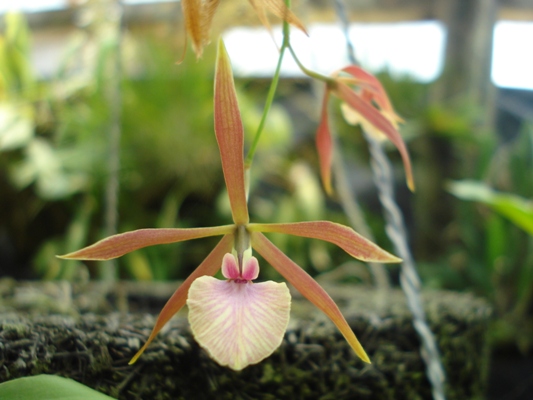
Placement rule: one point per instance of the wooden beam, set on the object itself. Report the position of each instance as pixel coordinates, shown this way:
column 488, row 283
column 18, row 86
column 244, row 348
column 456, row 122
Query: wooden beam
column 234, row 11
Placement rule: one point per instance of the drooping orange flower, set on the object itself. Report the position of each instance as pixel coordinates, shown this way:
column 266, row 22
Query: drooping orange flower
column 237, row 321
column 198, row 15
column 367, row 104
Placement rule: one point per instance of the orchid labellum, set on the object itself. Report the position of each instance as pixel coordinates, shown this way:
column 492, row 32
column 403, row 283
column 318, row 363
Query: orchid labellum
column 366, row 104
column 237, row 321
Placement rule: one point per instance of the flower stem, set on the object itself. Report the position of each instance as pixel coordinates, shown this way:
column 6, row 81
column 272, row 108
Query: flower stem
column 308, row 72
column 270, row 96
column 274, row 85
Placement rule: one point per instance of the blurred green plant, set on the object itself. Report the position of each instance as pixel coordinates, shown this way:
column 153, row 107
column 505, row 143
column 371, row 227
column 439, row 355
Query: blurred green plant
column 53, row 140
column 21, row 108
column 34, row 172
column 489, row 242
column 507, row 273
column 516, row 209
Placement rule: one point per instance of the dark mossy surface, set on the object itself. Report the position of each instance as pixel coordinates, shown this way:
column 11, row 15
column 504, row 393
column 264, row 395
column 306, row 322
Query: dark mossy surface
column 76, row 331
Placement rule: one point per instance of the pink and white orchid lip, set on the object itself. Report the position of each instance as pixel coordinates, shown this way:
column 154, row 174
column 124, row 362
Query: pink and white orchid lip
column 237, row 321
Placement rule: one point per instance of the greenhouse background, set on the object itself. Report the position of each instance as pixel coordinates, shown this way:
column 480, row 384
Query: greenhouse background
column 106, row 126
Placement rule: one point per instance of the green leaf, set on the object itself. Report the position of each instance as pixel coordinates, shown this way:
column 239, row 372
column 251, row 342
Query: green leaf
column 48, row 387
column 16, row 126
column 515, row 208
column 15, row 65
column 497, row 240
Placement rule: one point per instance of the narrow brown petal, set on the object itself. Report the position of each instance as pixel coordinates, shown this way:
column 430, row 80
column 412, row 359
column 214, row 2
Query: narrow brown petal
column 324, row 145
column 354, row 118
column 192, row 14
column 261, row 14
column 198, row 15
column 208, row 12
column 368, row 79
column 118, row 245
column 374, row 117
column 344, row 237
column 230, row 136
column 209, row 266
column 278, row 8
column 308, row 287
column 373, row 91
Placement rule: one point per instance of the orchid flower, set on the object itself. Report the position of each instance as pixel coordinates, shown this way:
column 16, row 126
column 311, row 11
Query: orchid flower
column 237, row 321
column 198, row 15
column 367, row 105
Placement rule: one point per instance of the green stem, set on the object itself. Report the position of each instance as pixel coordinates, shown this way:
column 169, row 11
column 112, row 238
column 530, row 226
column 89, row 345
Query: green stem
column 274, row 85
column 308, row 72
column 269, row 99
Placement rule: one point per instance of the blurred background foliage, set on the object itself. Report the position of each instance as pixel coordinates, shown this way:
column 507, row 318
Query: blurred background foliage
column 55, row 147
column 470, row 220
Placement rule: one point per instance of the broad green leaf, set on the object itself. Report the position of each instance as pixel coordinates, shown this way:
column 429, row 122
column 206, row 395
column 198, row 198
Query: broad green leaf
column 515, row 208
column 48, row 387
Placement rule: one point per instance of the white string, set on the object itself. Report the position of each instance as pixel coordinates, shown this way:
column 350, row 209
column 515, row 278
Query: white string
column 409, row 280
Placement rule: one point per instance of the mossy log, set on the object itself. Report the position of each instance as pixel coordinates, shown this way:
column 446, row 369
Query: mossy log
column 77, row 332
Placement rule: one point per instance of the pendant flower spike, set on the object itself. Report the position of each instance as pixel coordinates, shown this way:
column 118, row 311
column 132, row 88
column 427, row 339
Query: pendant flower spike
column 367, row 105
column 237, row 321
